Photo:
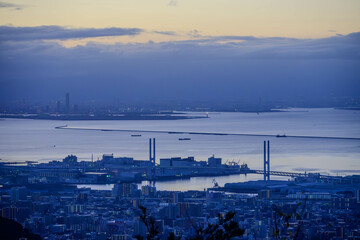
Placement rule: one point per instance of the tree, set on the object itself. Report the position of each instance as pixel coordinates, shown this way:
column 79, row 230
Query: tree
column 149, row 222
column 282, row 220
column 12, row 230
column 225, row 228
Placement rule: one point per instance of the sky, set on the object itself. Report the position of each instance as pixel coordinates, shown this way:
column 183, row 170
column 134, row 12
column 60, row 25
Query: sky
column 179, row 50
column 260, row 18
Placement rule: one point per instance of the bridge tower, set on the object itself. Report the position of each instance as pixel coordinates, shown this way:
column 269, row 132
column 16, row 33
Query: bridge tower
column 266, row 160
column 152, row 151
column 152, row 159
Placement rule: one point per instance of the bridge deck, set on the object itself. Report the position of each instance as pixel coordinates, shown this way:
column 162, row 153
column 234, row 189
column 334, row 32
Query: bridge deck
column 293, row 174
column 277, row 173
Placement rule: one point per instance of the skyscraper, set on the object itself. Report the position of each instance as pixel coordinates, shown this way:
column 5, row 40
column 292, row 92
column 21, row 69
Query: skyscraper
column 67, row 102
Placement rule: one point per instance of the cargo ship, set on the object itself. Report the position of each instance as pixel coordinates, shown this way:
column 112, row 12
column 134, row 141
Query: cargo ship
column 184, row 139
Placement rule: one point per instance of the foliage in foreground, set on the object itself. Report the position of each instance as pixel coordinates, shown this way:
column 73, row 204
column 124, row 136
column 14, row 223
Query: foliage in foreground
column 12, row 230
column 225, row 228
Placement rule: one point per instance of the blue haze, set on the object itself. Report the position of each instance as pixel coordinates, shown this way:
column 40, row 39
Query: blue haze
column 240, row 69
column 23, row 140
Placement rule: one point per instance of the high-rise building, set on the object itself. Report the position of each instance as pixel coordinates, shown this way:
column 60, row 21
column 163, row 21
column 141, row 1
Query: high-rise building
column 9, row 212
column 124, row 189
column 357, row 196
column 58, row 107
column 18, row 193
column 148, row 191
column 67, row 102
column 186, row 209
column 177, row 197
column 140, row 228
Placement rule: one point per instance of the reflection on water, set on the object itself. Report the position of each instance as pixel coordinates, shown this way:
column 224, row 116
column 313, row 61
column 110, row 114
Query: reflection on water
column 38, row 140
column 195, row 183
column 104, row 187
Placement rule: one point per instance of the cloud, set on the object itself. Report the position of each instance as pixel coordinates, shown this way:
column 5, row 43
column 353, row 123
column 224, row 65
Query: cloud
column 194, row 33
column 169, row 33
column 224, row 47
column 10, row 5
column 220, row 69
column 9, row 33
column 173, row 3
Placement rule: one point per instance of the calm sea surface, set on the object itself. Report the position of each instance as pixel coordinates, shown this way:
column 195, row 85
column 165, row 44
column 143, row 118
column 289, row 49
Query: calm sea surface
column 38, row 140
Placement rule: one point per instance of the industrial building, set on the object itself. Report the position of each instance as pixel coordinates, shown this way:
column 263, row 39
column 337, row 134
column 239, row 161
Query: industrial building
column 177, row 162
column 214, row 162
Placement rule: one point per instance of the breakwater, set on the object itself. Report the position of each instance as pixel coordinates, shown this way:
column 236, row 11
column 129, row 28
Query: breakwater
column 208, row 133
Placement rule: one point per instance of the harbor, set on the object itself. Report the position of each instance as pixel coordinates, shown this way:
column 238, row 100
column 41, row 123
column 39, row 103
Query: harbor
column 111, row 169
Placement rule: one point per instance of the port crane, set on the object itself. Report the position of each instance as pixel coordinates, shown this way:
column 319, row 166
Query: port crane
column 215, row 183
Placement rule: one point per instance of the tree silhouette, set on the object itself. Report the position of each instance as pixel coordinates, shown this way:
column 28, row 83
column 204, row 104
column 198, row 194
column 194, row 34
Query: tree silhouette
column 225, row 228
column 282, row 220
column 149, row 222
column 12, row 230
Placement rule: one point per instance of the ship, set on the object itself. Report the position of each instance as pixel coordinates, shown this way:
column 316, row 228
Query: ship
column 184, row 139
column 281, row 135
column 59, row 127
column 136, row 135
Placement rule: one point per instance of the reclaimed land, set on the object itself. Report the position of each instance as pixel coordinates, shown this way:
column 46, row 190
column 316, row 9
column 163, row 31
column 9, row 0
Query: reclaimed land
column 81, row 117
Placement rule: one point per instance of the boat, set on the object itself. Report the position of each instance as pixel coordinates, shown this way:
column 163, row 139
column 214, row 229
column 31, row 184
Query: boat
column 59, row 127
column 136, row 135
column 184, row 139
column 281, row 135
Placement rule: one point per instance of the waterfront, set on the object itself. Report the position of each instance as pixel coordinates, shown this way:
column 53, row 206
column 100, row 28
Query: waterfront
column 38, row 140
column 194, row 183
